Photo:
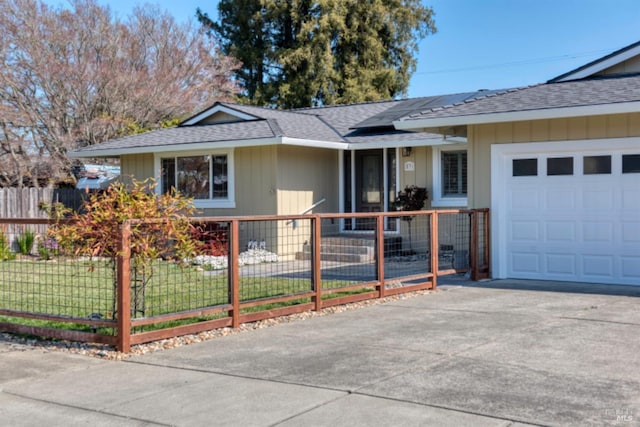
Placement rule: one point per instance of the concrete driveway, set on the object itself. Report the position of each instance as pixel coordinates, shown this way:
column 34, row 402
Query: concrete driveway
column 496, row 353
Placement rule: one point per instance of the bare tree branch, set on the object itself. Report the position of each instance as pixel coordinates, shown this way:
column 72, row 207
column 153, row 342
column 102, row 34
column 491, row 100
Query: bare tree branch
column 79, row 76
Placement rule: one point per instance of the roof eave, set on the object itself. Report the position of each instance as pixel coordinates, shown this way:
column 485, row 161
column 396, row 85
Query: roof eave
column 214, row 145
column 418, row 142
column 600, row 64
column 301, row 142
column 515, row 116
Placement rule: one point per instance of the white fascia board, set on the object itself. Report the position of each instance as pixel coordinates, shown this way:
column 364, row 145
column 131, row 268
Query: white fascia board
column 426, row 142
column 315, row 143
column 603, row 65
column 115, row 152
column 372, row 145
column 218, row 109
column 514, row 116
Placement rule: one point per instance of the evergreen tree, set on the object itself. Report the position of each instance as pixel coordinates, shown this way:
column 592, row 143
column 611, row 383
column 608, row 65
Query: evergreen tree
column 299, row 53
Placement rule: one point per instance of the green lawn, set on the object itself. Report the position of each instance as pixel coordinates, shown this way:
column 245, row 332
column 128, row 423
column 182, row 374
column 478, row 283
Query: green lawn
column 81, row 288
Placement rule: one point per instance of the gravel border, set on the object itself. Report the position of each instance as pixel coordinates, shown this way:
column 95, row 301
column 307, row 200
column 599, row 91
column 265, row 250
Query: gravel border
column 19, row 343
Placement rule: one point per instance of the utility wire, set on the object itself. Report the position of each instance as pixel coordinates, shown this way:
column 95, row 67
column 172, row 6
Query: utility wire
column 518, row 63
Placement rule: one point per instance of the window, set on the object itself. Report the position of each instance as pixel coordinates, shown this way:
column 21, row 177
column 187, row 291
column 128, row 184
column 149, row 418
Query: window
column 631, row 163
column 204, row 177
column 559, row 166
column 449, row 176
column 454, row 174
column 525, row 167
column 594, row 165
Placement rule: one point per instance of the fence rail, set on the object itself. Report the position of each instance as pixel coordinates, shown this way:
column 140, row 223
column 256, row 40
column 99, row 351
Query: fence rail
column 246, row 269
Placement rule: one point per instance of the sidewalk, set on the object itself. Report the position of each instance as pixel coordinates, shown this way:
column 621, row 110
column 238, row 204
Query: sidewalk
column 499, row 353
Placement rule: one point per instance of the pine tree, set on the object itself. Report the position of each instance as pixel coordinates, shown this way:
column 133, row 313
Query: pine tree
column 299, row 53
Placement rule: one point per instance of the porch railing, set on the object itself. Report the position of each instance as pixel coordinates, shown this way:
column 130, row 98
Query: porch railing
column 250, row 268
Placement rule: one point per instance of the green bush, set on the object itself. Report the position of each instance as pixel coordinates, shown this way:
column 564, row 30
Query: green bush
column 5, row 248
column 48, row 248
column 25, row 241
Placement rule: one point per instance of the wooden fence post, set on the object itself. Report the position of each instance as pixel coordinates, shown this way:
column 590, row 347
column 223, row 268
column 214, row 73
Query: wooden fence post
column 487, row 242
column 380, row 254
column 234, row 272
column 434, row 248
column 316, row 266
column 473, row 217
column 123, row 290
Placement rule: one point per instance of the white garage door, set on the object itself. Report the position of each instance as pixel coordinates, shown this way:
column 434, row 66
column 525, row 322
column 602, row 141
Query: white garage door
column 567, row 211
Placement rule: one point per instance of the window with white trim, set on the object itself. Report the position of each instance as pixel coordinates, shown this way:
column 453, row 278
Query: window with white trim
column 205, row 177
column 449, row 176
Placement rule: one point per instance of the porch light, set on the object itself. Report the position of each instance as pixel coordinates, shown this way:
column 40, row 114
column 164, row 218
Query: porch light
column 406, row 151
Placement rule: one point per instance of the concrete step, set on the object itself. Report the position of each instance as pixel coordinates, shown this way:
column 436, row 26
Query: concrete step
column 336, row 257
column 351, row 249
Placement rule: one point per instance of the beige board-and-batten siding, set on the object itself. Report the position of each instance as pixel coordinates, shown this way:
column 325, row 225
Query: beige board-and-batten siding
column 269, row 180
column 305, row 176
column 481, row 137
column 254, row 180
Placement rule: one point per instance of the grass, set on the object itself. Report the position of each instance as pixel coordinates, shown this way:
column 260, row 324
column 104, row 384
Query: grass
column 78, row 289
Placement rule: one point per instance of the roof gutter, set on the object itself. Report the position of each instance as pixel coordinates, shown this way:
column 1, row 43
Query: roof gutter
column 515, row 116
column 194, row 146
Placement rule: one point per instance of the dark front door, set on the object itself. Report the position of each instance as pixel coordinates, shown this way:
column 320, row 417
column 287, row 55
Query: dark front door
column 369, row 185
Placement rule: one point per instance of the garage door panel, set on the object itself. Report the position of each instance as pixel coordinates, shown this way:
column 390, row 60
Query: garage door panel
column 561, row 199
column 597, row 266
column 525, row 262
column 563, row 264
column 631, row 198
column 630, row 267
column 526, row 199
column 560, row 231
column 631, row 232
column 579, row 227
column 525, row 231
column 598, row 199
column 598, row 231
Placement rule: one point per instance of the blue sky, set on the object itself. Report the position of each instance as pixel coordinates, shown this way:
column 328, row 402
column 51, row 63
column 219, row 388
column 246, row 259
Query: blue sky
column 492, row 44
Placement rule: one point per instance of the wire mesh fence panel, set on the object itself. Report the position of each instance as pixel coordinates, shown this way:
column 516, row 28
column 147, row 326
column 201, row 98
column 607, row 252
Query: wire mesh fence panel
column 407, row 251
column 38, row 277
column 177, row 283
column 347, row 259
column 454, row 240
column 482, row 250
column 275, row 258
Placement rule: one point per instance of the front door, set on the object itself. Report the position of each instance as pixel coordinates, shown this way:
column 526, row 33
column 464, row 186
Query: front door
column 369, row 185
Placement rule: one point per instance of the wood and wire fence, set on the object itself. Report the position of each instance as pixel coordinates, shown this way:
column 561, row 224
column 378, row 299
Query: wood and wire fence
column 246, row 269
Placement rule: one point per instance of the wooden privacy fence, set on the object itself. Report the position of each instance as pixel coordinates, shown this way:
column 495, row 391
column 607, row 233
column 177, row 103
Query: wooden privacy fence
column 246, row 269
column 25, row 202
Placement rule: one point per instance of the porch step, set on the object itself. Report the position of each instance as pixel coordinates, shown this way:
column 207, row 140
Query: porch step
column 351, row 249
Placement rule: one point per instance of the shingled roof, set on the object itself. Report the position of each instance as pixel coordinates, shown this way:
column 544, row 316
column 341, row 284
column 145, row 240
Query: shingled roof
column 178, row 137
column 592, row 92
column 292, row 123
column 326, row 126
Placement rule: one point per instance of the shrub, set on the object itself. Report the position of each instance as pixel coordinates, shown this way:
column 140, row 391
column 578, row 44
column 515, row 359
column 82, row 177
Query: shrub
column 25, row 241
column 48, row 249
column 5, row 248
column 164, row 230
column 210, row 239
